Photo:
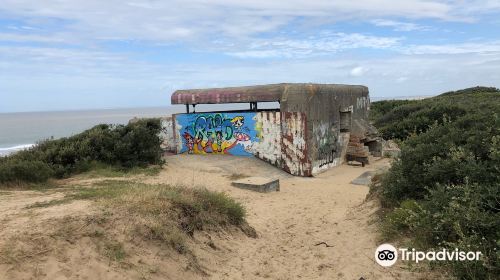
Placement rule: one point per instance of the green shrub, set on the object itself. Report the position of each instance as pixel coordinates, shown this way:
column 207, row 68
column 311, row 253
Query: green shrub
column 444, row 189
column 204, row 208
column 400, row 119
column 221, row 203
column 473, row 90
column 466, row 217
column 401, row 219
column 16, row 170
column 381, row 108
column 135, row 144
column 447, row 154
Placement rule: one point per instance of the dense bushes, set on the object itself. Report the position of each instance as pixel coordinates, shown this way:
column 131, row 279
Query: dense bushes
column 444, row 190
column 382, row 108
column 31, row 171
column 406, row 118
column 135, row 144
column 452, row 153
column 473, row 90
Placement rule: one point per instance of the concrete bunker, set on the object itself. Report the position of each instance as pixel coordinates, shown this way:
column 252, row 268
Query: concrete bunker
column 307, row 134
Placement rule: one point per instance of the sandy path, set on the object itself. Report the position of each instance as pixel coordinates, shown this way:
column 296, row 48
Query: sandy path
column 291, row 222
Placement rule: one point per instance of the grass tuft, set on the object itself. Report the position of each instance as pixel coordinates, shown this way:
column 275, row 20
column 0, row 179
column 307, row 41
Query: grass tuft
column 114, row 251
column 98, row 169
column 164, row 214
column 237, row 176
column 48, row 203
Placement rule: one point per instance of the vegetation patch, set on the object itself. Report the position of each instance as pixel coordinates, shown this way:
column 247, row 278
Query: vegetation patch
column 25, row 246
column 50, row 185
column 130, row 214
column 443, row 191
column 98, row 169
column 114, row 250
column 122, row 147
column 162, row 210
column 400, row 119
column 237, row 176
column 49, row 203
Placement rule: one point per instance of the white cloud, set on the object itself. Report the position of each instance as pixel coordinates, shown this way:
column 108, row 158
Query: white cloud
column 475, row 7
column 459, row 48
column 237, row 24
column 401, row 79
column 16, row 37
column 358, row 71
column 324, row 44
column 201, row 21
column 29, row 62
column 400, row 26
column 174, row 20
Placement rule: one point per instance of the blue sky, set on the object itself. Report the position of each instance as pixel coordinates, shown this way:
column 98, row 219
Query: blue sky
column 66, row 55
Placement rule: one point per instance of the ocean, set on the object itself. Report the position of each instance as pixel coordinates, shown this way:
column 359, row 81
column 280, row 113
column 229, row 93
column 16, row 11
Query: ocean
column 22, row 130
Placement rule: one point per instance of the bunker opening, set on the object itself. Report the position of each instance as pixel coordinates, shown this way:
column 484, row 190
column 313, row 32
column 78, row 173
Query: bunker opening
column 345, row 121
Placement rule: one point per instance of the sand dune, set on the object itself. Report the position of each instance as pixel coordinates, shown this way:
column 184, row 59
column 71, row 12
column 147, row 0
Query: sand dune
column 314, row 228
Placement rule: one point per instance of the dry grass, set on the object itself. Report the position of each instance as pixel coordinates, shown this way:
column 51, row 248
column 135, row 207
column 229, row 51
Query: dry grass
column 237, row 176
column 48, row 203
column 20, row 186
column 130, row 213
column 24, row 246
column 109, row 171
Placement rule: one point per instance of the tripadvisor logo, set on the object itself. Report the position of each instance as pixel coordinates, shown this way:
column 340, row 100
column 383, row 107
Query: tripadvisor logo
column 387, row 255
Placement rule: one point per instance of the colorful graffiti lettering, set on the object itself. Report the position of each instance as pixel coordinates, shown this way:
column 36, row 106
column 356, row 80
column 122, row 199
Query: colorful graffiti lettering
column 189, row 142
column 217, row 133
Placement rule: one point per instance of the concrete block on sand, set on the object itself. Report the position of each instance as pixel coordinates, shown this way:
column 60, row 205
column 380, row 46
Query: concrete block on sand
column 258, row 184
column 364, row 179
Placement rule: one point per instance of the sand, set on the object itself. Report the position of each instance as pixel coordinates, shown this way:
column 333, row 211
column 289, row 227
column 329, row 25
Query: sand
column 313, row 228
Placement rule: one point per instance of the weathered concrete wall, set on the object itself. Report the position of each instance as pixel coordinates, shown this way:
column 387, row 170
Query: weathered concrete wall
column 268, row 128
column 322, row 105
column 294, row 145
column 167, row 135
column 332, row 147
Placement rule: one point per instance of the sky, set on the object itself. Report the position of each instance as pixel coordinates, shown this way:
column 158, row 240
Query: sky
column 69, row 55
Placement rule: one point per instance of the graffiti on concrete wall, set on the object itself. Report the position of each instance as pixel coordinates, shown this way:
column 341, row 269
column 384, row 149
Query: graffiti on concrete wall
column 268, row 131
column 331, row 146
column 362, row 102
column 293, row 146
column 216, row 133
column 325, row 137
column 167, row 135
column 326, row 155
